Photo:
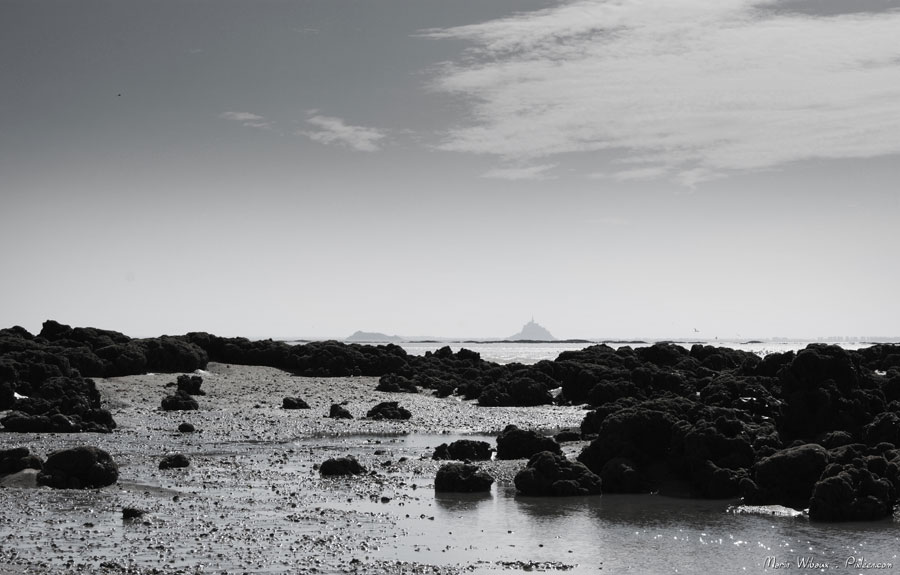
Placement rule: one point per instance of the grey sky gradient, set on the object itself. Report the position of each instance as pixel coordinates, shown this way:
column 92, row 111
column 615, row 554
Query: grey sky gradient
column 423, row 167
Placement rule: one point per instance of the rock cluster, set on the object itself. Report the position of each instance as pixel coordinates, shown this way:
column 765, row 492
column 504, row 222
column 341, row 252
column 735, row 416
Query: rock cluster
column 515, row 443
column 464, row 450
column 552, row 475
column 462, row 478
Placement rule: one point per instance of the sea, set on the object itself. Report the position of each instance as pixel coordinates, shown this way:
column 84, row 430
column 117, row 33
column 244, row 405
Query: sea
column 643, row 533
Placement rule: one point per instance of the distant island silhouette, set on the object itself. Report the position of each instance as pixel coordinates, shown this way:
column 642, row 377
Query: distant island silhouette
column 532, row 331
column 373, row 337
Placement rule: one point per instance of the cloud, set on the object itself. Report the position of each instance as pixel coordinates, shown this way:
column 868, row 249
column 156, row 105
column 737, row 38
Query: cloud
column 691, row 90
column 334, row 131
column 247, row 119
column 538, row 172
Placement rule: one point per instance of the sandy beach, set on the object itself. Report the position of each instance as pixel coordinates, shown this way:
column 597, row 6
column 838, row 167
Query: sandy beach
column 252, row 500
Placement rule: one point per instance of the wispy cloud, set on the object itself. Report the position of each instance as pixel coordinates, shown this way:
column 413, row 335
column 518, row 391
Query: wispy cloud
column 538, row 172
column 691, row 90
column 334, row 131
column 247, row 119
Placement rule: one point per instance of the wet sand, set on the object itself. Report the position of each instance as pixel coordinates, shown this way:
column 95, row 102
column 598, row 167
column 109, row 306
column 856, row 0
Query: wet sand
column 252, row 500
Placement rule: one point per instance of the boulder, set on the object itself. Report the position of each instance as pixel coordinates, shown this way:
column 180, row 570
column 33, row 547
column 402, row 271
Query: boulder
column 190, row 384
column 388, row 410
column 18, row 458
column 620, row 475
column 180, row 401
column 551, row 474
column 394, row 383
column 464, row 450
column 786, row 477
column 338, row 411
column 174, row 460
column 185, row 427
column 84, row 467
column 341, row 466
column 462, row 478
column 515, row 443
column 294, row 403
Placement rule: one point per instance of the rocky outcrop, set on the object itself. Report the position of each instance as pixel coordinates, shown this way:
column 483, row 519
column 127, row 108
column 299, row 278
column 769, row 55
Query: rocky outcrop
column 515, row 443
column 174, row 461
column 179, row 401
column 388, row 410
column 338, row 411
column 464, row 450
column 552, row 475
column 462, row 478
column 294, row 403
column 85, row 467
column 341, row 466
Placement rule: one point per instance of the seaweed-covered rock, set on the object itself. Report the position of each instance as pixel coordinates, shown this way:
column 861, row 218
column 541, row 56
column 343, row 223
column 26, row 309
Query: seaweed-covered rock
column 84, row 467
column 464, row 450
column 341, row 466
column 18, row 458
column 185, row 427
column 462, row 478
column 394, row 383
column 174, row 460
column 294, row 403
column 179, row 401
column 551, row 474
column 388, row 410
column 338, row 411
column 515, row 443
column 787, row 477
column 190, row 384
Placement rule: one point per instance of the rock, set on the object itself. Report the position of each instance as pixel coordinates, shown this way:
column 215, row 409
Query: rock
column 341, row 466
column 394, row 383
column 339, row 412
column 551, row 474
column 620, row 475
column 180, row 401
column 84, row 467
column 186, row 427
column 462, row 478
column 388, row 410
column 567, row 436
column 464, row 450
column 174, row 460
column 18, row 458
column 132, row 513
column 515, row 443
column 294, row 403
column 788, row 476
column 190, row 384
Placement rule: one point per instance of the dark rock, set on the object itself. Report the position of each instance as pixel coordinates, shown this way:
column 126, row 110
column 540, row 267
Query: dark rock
column 788, row 476
column 186, row 427
column 83, row 467
column 18, row 458
column 620, row 475
column 341, row 466
column 515, row 443
column 294, row 403
column 174, row 460
column 462, row 478
column 551, row 474
column 849, row 493
column 567, row 436
column 180, row 401
column 464, row 450
column 190, row 384
column 394, row 383
column 388, row 410
column 338, row 411
column 132, row 513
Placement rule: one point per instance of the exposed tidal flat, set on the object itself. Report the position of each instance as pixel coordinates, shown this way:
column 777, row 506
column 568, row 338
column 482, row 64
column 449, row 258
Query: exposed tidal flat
column 752, row 441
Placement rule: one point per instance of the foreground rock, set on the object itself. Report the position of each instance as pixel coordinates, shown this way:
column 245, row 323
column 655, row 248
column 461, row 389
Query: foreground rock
column 85, row 467
column 388, row 410
column 174, row 461
column 190, row 384
column 180, row 401
column 515, row 443
column 338, row 411
column 464, row 450
column 294, row 403
column 552, row 475
column 462, row 478
column 341, row 466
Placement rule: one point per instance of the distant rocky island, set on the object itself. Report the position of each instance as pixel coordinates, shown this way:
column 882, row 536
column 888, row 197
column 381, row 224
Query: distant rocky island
column 532, row 331
column 373, row 337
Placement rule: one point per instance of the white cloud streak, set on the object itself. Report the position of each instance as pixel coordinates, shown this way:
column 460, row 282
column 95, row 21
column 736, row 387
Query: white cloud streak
column 538, row 172
column 690, row 90
column 335, row 132
column 247, row 119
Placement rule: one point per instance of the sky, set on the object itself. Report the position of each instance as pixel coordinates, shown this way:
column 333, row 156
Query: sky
column 309, row 168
